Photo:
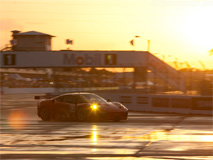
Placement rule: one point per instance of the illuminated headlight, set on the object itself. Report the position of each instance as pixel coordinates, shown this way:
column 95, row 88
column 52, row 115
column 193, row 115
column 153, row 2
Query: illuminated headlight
column 94, row 106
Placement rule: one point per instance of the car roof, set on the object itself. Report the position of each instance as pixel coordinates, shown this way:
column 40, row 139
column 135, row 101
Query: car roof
column 75, row 93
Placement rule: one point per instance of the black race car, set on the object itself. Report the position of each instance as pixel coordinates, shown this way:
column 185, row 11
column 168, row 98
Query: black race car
column 81, row 107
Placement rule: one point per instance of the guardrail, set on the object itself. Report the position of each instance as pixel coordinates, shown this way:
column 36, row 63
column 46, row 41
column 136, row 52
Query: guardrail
column 164, row 103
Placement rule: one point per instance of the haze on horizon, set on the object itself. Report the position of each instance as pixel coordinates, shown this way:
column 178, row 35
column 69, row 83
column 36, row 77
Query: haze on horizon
column 178, row 29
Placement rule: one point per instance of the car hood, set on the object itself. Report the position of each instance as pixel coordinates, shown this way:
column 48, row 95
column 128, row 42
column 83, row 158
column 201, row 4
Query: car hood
column 112, row 107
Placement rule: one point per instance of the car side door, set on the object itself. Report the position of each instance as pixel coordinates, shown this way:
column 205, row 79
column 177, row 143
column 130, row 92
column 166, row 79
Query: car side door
column 59, row 103
column 70, row 102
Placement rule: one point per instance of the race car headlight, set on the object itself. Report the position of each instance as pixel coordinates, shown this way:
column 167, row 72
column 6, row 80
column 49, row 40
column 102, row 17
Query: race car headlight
column 94, row 106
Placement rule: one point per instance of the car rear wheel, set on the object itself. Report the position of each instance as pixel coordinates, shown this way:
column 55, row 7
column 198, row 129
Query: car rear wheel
column 82, row 114
column 44, row 114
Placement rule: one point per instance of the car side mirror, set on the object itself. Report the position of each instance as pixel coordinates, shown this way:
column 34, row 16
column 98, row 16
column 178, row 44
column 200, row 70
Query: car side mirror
column 108, row 100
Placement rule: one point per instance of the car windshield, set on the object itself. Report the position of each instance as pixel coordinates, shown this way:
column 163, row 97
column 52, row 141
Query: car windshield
column 90, row 98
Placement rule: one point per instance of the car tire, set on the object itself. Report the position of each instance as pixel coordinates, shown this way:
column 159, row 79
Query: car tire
column 82, row 114
column 44, row 114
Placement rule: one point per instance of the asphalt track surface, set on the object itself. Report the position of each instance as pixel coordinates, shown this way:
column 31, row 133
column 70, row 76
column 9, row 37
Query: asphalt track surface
column 145, row 136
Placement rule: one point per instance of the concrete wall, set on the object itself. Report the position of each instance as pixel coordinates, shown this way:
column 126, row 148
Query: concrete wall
column 136, row 101
column 164, row 103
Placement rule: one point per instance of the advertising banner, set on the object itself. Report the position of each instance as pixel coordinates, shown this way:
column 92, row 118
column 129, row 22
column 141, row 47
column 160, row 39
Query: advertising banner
column 160, row 102
column 126, row 99
column 202, row 103
column 48, row 59
column 181, row 103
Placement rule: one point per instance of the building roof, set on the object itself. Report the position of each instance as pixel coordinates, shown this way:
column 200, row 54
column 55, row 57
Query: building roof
column 33, row 33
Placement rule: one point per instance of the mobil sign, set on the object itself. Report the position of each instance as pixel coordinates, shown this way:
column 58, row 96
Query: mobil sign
column 104, row 58
column 88, row 59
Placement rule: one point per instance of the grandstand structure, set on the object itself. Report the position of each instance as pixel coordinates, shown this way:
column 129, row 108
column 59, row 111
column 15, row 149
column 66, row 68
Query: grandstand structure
column 140, row 61
column 33, row 50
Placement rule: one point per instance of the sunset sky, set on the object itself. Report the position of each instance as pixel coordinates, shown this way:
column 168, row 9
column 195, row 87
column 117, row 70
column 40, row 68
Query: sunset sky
column 179, row 30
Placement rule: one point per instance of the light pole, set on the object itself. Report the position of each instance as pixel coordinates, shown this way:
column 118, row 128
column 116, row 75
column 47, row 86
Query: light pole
column 145, row 69
column 148, row 43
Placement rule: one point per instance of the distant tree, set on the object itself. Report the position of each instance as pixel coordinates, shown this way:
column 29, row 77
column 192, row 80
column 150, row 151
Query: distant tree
column 211, row 52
